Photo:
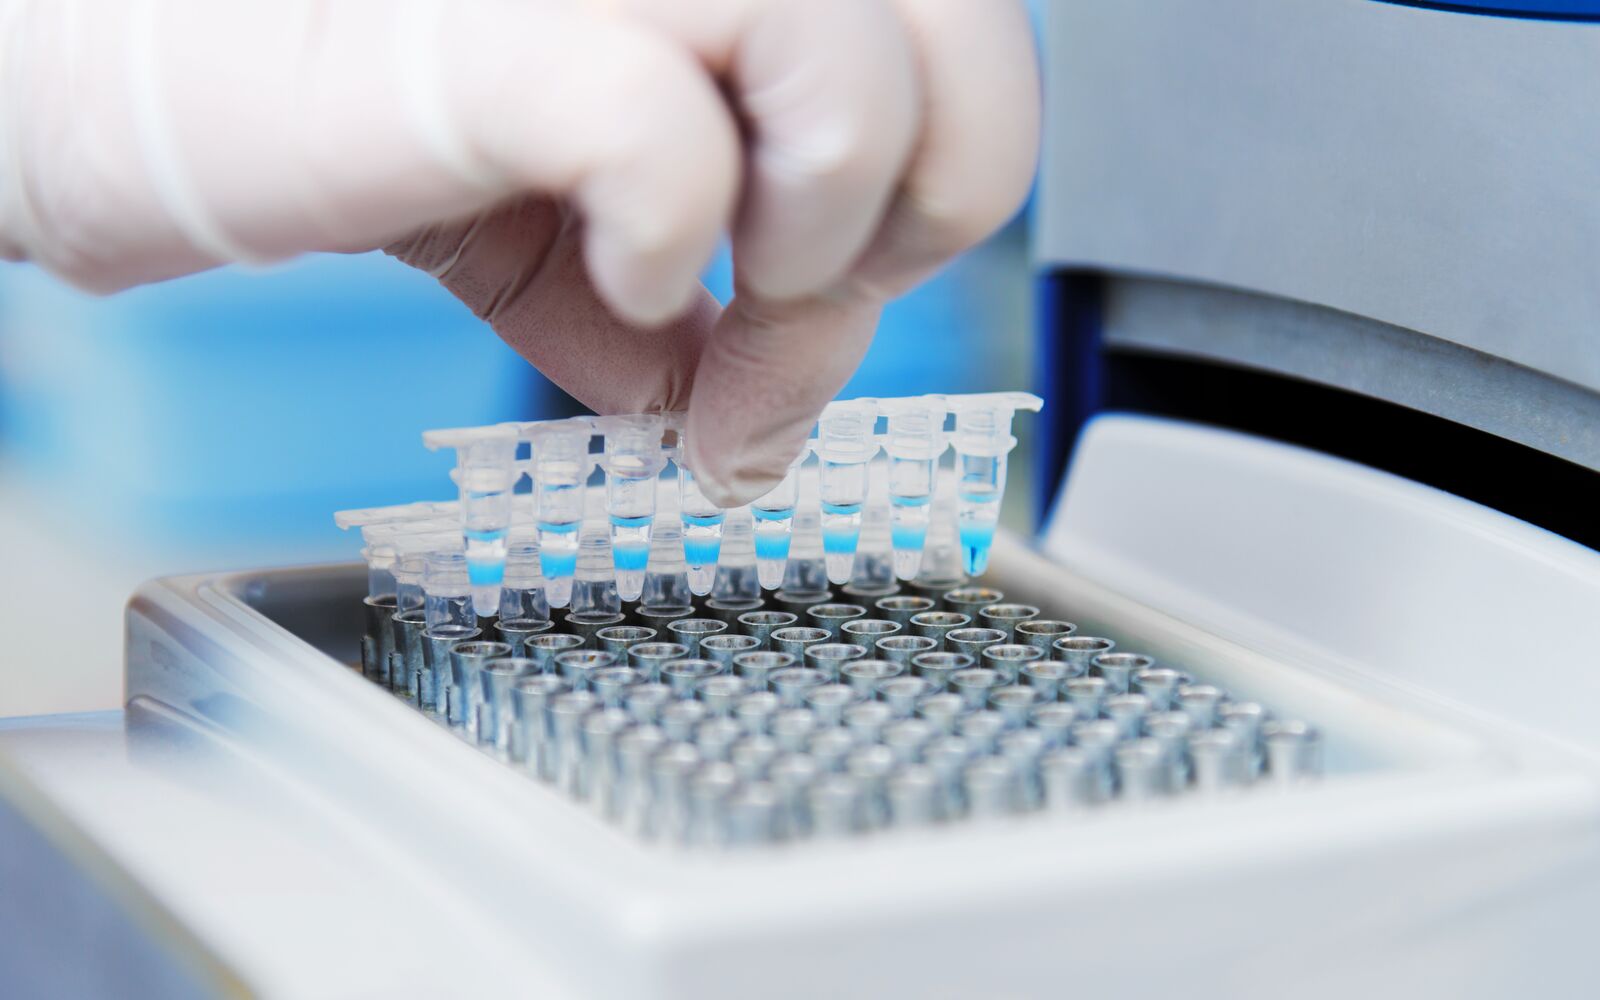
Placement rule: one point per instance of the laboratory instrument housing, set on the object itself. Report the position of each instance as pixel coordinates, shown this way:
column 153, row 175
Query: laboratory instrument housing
column 1322, row 425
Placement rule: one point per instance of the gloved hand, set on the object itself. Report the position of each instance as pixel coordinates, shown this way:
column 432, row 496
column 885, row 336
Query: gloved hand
column 564, row 168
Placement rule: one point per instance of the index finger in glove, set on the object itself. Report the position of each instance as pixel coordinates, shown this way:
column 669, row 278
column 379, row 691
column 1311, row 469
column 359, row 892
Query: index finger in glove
column 767, row 370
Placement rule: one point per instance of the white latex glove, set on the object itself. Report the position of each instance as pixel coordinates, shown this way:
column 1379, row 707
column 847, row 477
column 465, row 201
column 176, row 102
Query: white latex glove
column 564, row 168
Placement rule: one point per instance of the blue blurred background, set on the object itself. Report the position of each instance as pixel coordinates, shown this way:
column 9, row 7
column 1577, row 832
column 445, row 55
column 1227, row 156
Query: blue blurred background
column 218, row 420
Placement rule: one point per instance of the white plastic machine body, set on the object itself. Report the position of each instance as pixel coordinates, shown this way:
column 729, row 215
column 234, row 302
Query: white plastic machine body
column 263, row 821
column 295, row 831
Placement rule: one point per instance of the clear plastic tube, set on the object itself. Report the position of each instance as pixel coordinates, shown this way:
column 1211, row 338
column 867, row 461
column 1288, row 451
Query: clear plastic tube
column 941, row 555
column 380, row 560
column 408, row 571
column 380, row 550
column 486, row 473
column 844, row 446
column 808, row 568
column 633, row 462
column 486, row 482
column 522, row 593
column 594, row 587
column 914, row 442
column 874, row 566
column 448, row 590
column 666, row 582
column 702, row 533
column 774, row 526
column 737, row 570
column 410, row 564
column 982, row 484
column 561, row 466
column 982, row 441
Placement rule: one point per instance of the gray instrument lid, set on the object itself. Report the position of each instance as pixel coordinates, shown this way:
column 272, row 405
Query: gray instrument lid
column 1433, row 172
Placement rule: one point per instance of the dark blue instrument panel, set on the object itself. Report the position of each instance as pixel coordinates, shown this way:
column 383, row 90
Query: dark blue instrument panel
column 1560, row 10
